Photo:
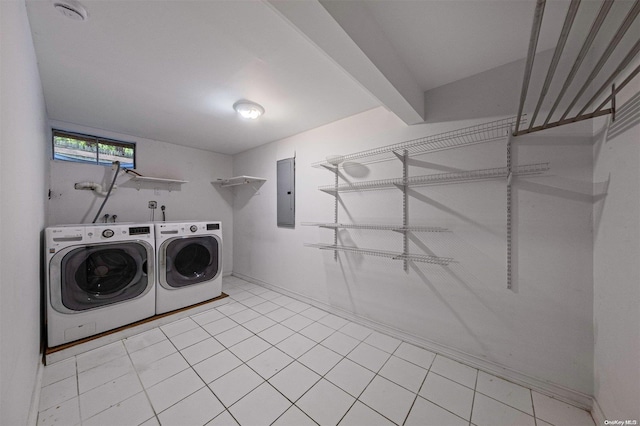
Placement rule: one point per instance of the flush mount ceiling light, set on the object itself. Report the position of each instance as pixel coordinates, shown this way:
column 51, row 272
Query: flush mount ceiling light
column 71, row 9
column 248, row 109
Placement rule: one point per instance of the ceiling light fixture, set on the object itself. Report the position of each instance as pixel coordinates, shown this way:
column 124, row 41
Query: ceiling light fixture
column 71, row 9
column 248, row 109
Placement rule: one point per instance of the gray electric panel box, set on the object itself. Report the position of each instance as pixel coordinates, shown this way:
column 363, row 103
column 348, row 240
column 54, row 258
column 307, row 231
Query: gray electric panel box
column 286, row 192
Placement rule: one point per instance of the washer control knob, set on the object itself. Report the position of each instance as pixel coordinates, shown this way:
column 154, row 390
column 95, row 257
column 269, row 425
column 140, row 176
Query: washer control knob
column 107, row 233
column 193, row 228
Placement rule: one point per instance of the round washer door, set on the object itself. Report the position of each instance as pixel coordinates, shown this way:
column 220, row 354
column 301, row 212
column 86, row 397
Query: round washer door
column 100, row 275
column 192, row 260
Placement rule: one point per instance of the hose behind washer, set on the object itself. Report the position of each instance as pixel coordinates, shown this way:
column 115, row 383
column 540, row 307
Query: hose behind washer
column 115, row 176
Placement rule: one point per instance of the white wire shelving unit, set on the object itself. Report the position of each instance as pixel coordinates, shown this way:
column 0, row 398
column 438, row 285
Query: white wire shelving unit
column 444, row 261
column 403, row 151
column 471, row 135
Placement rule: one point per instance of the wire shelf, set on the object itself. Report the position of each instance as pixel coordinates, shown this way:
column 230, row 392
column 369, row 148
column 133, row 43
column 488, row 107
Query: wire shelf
column 439, row 178
column 444, row 261
column 479, row 133
column 397, row 228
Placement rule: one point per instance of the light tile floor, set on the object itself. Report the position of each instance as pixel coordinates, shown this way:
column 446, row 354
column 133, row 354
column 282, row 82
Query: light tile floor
column 266, row 358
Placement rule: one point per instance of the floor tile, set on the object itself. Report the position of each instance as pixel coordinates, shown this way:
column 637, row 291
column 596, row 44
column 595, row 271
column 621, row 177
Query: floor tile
column 426, row 413
column 294, row 380
column 270, row 295
column 66, row 413
column 296, row 345
column 223, row 419
column 297, row 306
column 196, row 409
column 162, row 369
column 455, row 371
column 280, row 314
column 207, row 317
column 297, row 322
column 100, row 355
column 360, row 415
column 235, row 384
column 261, row 407
column 233, row 335
column 189, row 338
column 275, row 334
column 244, row 316
column 317, row 332
column 325, row 403
column 383, row 342
column 403, row 373
column 108, row 395
column 131, row 411
column 258, row 324
column 58, row 392
column 340, row 343
column 448, row 394
column 294, row 417
column 320, row 359
column 143, row 340
column 506, row 392
column 350, row 377
column 252, row 301
column 152, row 353
column 282, row 300
column 216, row 366
column 241, row 295
column 249, row 348
column 175, row 388
column 104, row 373
column 60, row 370
column 356, row 331
column 265, row 307
column 314, row 313
column 414, row 354
column 369, row 357
column 202, row 350
column 219, row 326
column 389, row 399
column 333, row 321
column 489, row 412
column 559, row 413
column 231, row 308
column 270, row 362
column 178, row 327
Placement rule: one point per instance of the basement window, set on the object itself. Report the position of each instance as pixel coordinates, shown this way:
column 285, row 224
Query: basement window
column 79, row 148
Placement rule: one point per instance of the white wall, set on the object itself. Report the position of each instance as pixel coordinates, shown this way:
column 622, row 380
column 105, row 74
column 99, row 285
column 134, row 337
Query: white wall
column 23, row 172
column 616, row 216
column 543, row 328
column 198, row 199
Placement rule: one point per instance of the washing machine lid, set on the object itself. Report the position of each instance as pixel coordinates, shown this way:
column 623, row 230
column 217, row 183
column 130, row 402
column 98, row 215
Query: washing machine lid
column 95, row 276
column 191, row 260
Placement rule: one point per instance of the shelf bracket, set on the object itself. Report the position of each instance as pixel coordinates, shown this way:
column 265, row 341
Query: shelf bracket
column 509, row 215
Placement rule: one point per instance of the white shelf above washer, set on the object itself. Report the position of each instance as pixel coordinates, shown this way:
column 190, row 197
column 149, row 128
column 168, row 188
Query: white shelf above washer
column 238, row 180
column 158, row 180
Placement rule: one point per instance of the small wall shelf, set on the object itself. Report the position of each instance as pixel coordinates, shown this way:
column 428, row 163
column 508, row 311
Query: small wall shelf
column 147, row 179
column 444, row 261
column 238, row 180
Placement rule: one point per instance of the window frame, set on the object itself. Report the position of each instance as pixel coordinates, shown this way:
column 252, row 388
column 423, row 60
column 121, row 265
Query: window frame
column 96, row 141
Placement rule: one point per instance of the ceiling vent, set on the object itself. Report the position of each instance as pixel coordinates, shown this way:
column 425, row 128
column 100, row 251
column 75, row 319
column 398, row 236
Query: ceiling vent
column 71, row 9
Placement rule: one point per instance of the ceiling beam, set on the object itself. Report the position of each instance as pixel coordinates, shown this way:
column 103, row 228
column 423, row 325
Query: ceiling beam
column 352, row 39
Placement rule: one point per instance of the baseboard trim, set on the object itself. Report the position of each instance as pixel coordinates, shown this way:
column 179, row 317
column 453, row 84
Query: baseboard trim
column 32, row 419
column 552, row 390
column 597, row 413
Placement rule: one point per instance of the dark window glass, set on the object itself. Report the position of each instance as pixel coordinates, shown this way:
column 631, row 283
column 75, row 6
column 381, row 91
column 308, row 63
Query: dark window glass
column 79, row 148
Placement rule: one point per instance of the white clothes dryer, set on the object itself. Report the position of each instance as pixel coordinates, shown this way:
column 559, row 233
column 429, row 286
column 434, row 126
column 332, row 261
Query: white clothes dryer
column 99, row 277
column 189, row 264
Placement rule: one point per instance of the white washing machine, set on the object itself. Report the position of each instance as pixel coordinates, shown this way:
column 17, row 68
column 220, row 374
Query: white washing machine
column 189, row 264
column 99, row 277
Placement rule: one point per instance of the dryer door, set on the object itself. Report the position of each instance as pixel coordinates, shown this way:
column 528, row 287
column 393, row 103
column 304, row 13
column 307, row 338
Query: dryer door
column 98, row 275
column 190, row 260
